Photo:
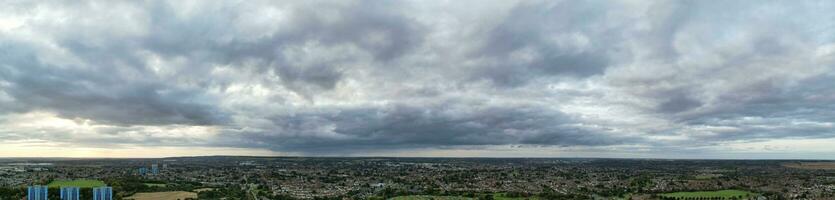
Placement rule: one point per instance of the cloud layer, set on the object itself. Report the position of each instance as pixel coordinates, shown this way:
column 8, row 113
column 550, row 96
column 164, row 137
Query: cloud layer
column 371, row 77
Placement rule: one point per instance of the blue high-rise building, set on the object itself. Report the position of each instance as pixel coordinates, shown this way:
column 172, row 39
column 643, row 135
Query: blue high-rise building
column 143, row 171
column 103, row 193
column 69, row 193
column 37, row 192
column 155, row 169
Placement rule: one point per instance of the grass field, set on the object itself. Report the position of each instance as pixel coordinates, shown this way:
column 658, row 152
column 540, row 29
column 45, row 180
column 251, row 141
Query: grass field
column 625, row 197
column 501, row 196
column 720, row 193
column 427, row 197
column 177, row 195
column 82, row 183
column 497, row 196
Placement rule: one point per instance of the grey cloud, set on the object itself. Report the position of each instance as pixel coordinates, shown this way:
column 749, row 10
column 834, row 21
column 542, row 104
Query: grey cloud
column 765, row 72
column 445, row 124
column 370, row 26
column 799, row 111
column 83, row 91
column 100, row 93
column 362, row 76
column 566, row 39
column 679, row 104
column 763, row 129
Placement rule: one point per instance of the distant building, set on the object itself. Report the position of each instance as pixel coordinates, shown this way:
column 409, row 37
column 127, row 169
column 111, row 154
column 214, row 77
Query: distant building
column 12, row 169
column 143, row 171
column 103, row 193
column 155, row 169
column 246, row 163
column 69, row 193
column 37, row 192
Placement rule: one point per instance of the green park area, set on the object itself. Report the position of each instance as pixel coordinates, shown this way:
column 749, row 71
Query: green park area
column 496, row 196
column 81, row 183
column 504, row 196
column 726, row 194
column 428, row 197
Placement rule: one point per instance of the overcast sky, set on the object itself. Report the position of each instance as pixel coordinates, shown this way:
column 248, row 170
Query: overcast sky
column 657, row 79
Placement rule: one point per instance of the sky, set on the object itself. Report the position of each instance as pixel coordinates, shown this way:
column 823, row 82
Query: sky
column 457, row 78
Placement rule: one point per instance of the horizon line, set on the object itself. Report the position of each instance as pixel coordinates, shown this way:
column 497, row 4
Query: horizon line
column 429, row 157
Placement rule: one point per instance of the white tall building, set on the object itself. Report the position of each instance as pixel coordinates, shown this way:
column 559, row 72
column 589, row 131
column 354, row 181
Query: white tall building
column 103, row 193
column 37, row 192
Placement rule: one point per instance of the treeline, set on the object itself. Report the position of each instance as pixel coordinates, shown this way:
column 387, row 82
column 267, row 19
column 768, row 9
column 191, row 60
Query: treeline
column 12, row 193
column 53, row 193
column 223, row 193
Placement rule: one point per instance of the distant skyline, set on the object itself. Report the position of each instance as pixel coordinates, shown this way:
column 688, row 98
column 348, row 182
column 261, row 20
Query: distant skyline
column 615, row 79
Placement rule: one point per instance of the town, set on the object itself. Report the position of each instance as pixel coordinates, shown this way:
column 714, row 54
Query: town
column 413, row 178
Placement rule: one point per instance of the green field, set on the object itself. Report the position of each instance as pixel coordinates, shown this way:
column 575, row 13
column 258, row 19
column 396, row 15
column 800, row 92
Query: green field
column 613, row 198
column 497, row 196
column 501, row 196
column 720, row 193
column 82, row 183
column 427, row 197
